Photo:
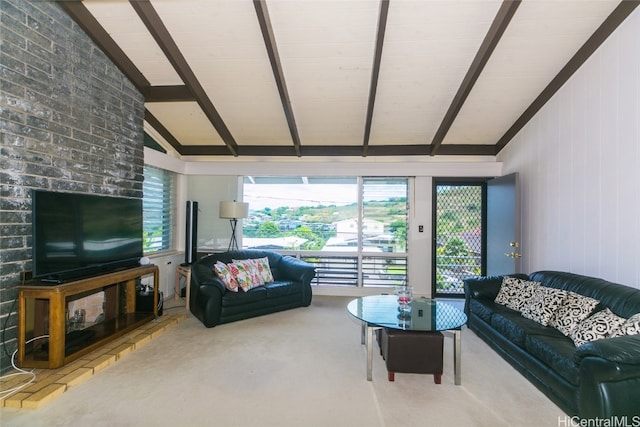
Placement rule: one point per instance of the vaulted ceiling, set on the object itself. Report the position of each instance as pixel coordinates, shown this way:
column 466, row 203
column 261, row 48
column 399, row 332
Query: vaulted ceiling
column 345, row 77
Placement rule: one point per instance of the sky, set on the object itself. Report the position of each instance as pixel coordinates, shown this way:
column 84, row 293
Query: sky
column 260, row 196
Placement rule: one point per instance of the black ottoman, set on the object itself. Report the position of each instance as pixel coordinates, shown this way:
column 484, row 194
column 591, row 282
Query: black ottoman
column 412, row 352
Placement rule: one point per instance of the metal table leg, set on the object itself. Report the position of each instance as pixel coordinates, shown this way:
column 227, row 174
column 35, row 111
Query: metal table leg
column 369, row 352
column 457, row 357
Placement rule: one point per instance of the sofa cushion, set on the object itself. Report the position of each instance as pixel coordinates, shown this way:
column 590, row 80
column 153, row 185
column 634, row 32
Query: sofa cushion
column 596, row 327
column 515, row 293
column 279, row 289
column 544, row 303
column 483, row 310
column 241, row 298
column 556, row 351
column 630, row 327
column 514, row 327
column 573, row 310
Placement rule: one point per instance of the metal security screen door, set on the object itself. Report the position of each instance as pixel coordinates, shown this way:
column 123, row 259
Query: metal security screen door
column 459, row 238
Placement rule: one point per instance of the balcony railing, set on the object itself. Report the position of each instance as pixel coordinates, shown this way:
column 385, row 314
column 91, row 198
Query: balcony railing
column 452, row 270
column 349, row 269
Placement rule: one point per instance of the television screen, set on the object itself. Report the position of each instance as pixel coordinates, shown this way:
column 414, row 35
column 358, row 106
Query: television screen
column 78, row 235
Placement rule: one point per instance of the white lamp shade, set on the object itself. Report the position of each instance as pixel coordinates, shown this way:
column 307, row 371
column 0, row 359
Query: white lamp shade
column 234, row 210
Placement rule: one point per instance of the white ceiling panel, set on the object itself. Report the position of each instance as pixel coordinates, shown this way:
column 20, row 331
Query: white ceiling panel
column 186, row 122
column 230, row 61
column 122, row 23
column 428, row 48
column 542, row 37
column 326, row 49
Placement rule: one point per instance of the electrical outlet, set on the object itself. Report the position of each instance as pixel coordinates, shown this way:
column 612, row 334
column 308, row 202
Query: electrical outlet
column 421, row 228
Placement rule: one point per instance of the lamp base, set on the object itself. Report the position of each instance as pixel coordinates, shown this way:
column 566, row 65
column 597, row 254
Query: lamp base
column 233, row 242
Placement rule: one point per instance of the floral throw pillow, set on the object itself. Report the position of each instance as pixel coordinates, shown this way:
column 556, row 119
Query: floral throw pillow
column 573, row 310
column 543, row 305
column 246, row 273
column 630, row 327
column 515, row 293
column 264, row 269
column 596, row 327
column 227, row 277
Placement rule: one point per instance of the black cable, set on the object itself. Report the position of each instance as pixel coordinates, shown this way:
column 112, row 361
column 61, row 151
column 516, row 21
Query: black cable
column 4, row 328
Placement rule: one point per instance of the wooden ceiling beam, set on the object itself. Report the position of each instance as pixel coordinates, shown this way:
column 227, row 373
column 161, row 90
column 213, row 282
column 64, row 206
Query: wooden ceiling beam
column 90, row 25
column 274, row 57
column 163, row 131
column 161, row 35
column 334, row 151
column 500, row 23
column 179, row 93
column 375, row 73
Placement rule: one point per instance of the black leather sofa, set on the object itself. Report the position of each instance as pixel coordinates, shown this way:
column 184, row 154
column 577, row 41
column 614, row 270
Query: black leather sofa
column 213, row 304
column 599, row 379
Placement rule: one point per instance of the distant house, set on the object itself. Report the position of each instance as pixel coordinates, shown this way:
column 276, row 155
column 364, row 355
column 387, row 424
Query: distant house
column 337, row 244
column 287, row 242
column 348, row 228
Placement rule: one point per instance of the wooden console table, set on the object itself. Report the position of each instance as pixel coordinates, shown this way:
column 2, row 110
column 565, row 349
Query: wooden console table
column 43, row 338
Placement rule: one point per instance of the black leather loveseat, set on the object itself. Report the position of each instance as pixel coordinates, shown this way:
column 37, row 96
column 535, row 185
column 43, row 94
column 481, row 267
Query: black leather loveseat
column 598, row 379
column 213, row 304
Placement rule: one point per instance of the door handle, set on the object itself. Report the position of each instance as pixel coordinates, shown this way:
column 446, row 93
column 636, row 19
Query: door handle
column 513, row 255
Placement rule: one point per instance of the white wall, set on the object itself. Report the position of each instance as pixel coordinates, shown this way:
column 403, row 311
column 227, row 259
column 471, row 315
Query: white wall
column 209, row 190
column 579, row 165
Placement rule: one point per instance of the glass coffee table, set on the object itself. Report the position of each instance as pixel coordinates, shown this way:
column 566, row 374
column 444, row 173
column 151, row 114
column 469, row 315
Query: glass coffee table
column 427, row 315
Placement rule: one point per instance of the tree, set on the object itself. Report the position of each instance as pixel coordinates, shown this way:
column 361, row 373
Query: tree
column 456, row 252
column 313, row 243
column 268, row 229
column 399, row 230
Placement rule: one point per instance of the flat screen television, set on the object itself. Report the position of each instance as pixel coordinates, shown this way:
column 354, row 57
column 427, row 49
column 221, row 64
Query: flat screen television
column 82, row 235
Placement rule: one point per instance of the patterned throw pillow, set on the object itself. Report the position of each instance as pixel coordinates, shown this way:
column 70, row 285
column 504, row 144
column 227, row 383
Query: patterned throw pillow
column 227, row 277
column 515, row 293
column 630, row 327
column 573, row 310
column 264, row 269
column 246, row 273
column 543, row 305
column 596, row 327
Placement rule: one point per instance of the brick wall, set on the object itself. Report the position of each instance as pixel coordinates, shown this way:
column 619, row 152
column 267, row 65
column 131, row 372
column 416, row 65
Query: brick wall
column 69, row 121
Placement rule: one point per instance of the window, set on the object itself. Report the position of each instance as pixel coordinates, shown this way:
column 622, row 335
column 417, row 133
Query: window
column 352, row 228
column 459, row 234
column 158, row 209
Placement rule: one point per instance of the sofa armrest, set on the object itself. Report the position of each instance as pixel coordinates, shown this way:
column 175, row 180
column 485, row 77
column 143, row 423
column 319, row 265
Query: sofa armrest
column 296, row 270
column 484, row 287
column 609, row 376
column 625, row 349
column 608, row 388
column 203, row 275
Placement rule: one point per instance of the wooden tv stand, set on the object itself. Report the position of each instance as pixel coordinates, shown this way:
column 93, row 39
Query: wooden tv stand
column 42, row 310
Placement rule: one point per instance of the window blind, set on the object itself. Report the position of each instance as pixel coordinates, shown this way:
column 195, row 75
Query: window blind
column 157, row 209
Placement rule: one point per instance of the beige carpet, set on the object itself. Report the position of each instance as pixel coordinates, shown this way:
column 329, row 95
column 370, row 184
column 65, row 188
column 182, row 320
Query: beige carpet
column 302, row 367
